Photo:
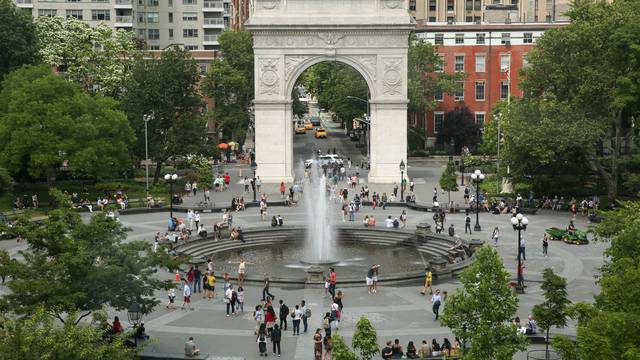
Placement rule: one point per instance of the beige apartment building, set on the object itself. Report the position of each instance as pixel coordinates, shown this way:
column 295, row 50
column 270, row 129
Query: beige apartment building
column 195, row 24
column 488, row 11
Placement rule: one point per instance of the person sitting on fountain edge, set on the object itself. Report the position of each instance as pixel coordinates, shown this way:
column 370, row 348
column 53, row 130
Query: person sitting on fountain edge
column 274, row 222
column 280, row 221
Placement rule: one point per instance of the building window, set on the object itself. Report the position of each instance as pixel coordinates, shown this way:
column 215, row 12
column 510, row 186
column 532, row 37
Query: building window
column 189, row 16
column 528, row 38
column 468, row 19
column 480, row 119
column 153, row 17
column 514, row 2
column 100, row 15
column 480, row 38
column 73, row 0
column 432, row 19
column 47, row 12
column 525, row 61
column 439, row 66
column 469, row 5
column 450, row 5
column 170, row 34
column 141, row 2
column 170, row 17
column 154, row 47
column 480, row 63
column 412, row 5
column 141, row 16
column 432, row 5
column 100, row 1
column 459, row 94
column 189, row 2
column 142, row 33
column 459, row 63
column 74, row 14
column 153, row 34
column 152, row 2
column 477, row 5
column 477, row 19
column 439, row 39
column 450, row 20
column 505, row 38
column 189, row 33
column 504, row 90
column 480, row 90
column 438, row 95
column 505, row 62
column 438, row 119
column 170, row 3
column 191, row 47
column 459, row 38
column 495, row 2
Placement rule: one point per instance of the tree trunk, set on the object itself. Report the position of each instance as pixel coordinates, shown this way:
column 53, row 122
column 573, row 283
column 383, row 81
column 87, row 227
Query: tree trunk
column 613, row 190
column 546, row 345
column 156, row 176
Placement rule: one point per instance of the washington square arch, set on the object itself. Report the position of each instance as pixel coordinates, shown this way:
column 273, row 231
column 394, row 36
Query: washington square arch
column 289, row 36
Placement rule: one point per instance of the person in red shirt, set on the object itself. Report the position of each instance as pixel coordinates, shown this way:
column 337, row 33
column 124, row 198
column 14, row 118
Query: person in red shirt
column 332, row 283
column 116, row 327
column 270, row 319
column 191, row 276
column 227, row 179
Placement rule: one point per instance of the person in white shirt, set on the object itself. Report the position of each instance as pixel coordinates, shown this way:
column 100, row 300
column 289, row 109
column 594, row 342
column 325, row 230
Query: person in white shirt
column 436, row 300
column 155, row 245
column 228, row 299
column 389, row 222
column 196, row 218
column 190, row 217
column 186, row 295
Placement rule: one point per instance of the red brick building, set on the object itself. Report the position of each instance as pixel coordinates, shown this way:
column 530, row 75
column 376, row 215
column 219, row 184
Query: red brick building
column 490, row 54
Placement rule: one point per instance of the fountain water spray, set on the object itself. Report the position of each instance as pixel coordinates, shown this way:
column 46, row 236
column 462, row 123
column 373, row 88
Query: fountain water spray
column 320, row 244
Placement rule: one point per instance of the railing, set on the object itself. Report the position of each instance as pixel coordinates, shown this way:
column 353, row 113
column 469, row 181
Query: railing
column 213, row 21
column 210, row 38
column 124, row 2
column 23, row 2
column 124, row 19
column 213, row 4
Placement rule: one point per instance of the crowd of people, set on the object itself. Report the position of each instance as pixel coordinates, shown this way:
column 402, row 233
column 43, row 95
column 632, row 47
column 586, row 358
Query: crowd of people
column 393, row 350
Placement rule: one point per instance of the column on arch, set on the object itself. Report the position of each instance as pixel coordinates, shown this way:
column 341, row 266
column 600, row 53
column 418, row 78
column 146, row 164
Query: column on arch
column 273, row 140
column 388, row 139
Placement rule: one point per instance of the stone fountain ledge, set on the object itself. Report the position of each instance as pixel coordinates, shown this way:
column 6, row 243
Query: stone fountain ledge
column 263, row 237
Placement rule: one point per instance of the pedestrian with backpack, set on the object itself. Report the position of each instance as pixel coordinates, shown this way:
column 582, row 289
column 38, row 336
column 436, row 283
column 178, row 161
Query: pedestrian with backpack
column 262, row 341
column 296, row 316
column 276, row 336
column 306, row 314
column 467, row 223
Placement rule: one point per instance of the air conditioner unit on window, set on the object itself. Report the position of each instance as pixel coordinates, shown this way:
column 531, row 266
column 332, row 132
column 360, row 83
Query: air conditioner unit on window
column 507, row 42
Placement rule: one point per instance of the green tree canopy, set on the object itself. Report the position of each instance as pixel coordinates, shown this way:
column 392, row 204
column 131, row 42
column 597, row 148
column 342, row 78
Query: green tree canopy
column 554, row 310
column 449, row 179
column 168, row 89
column 365, row 339
column 460, row 127
column 71, row 265
column 98, row 58
column 18, row 39
column 481, row 311
column 230, row 83
column 47, row 122
column 38, row 337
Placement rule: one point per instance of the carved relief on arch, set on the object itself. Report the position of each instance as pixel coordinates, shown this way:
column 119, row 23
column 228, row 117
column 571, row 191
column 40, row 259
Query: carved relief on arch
column 291, row 63
column 270, row 4
column 269, row 78
column 368, row 63
column 392, row 78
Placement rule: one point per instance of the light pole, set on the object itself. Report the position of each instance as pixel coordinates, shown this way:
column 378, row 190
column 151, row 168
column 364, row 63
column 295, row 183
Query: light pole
column 402, row 167
column 171, row 179
column 134, row 314
column 254, row 166
column 520, row 223
column 477, row 177
column 146, row 118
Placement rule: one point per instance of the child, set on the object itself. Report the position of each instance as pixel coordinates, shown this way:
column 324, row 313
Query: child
column 172, row 298
column 326, row 285
column 262, row 342
column 241, row 298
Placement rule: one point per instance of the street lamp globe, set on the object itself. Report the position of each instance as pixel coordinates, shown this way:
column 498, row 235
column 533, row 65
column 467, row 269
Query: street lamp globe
column 474, row 176
column 174, row 177
column 525, row 221
column 477, row 172
column 481, row 177
column 167, row 177
column 514, row 221
column 519, row 217
column 402, row 166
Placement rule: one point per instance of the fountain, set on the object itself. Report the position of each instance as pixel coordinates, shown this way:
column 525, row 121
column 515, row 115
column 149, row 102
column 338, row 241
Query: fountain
column 320, row 236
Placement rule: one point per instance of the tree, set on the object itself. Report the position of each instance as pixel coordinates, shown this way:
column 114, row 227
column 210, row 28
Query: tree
column 603, row 327
column 47, row 123
column 70, row 266
column 6, row 181
column 168, row 89
column 489, row 144
column 340, row 349
column 18, row 40
column 482, row 310
column 553, row 311
column 460, row 127
column 230, row 82
column 365, row 339
column 592, row 87
column 98, row 58
column 37, row 337
column 449, row 179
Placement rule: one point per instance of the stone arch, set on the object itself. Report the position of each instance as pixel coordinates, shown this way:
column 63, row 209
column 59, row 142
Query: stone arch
column 305, row 62
column 290, row 36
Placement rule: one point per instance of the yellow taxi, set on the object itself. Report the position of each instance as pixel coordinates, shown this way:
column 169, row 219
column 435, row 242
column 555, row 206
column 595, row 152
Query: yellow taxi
column 300, row 129
column 308, row 126
column 321, row 133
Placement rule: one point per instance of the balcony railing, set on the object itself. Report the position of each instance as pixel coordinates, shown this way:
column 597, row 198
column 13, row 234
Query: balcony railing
column 213, row 21
column 124, row 19
column 124, row 2
column 212, row 5
column 24, row 2
column 211, row 38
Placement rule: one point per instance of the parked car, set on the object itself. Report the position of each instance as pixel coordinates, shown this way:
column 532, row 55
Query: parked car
column 323, row 160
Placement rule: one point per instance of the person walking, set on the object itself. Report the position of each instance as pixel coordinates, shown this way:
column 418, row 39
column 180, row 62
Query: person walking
column 306, row 314
column 186, row 295
column 467, row 223
column 495, row 236
column 436, row 300
column 240, row 300
column 317, row 345
column 246, row 182
column 428, row 279
column 276, row 336
column 403, row 218
column 262, row 341
column 328, row 346
column 332, row 283
column 211, row 285
column 284, row 312
column 545, row 245
column 296, row 316
column 326, row 323
column 229, row 300
column 522, row 248
column 258, row 317
column 197, row 280
column 265, row 288
column 452, row 231
column 369, row 280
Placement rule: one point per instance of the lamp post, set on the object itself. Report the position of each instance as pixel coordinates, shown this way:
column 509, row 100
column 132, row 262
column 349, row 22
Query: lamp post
column 134, row 313
column 477, row 177
column 462, row 170
column 520, row 223
column 171, row 179
column 146, row 118
column 402, row 167
column 254, row 166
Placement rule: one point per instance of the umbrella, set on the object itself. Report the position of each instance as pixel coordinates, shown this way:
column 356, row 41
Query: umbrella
column 232, row 143
column 223, row 146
